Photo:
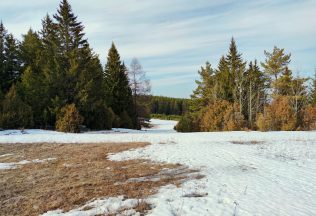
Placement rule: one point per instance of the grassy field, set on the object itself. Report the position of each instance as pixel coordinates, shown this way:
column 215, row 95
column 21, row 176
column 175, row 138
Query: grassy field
column 75, row 175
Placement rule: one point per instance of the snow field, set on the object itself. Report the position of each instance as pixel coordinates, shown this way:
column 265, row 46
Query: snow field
column 246, row 173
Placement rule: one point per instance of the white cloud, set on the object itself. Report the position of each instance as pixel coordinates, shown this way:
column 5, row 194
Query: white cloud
column 183, row 34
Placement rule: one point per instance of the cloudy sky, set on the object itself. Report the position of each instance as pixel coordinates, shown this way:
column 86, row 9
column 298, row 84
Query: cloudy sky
column 173, row 38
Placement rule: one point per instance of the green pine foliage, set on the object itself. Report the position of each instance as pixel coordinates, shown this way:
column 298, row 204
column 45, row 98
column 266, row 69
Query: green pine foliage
column 236, row 96
column 168, row 105
column 56, row 67
column 14, row 112
column 53, row 79
column 118, row 92
column 10, row 63
column 187, row 124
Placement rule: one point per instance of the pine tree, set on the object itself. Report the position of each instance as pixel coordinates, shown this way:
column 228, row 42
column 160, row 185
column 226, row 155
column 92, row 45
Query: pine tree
column 205, row 91
column 71, row 43
column 15, row 113
column 10, row 64
column 13, row 64
column 275, row 64
column 255, row 92
column 284, row 83
column 117, row 87
column 237, row 68
column 69, row 29
column 224, row 81
column 3, row 78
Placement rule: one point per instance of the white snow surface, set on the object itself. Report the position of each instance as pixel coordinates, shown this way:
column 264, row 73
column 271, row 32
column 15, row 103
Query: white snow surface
column 107, row 206
column 13, row 165
column 275, row 175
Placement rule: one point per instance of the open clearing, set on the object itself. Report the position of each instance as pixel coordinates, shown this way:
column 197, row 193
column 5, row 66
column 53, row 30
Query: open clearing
column 76, row 174
column 246, row 173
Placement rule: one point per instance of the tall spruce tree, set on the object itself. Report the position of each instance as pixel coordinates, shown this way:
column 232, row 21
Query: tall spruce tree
column 205, row 91
column 15, row 113
column 70, row 30
column 236, row 67
column 10, row 65
column 33, row 80
column 3, row 78
column 284, row 83
column 255, row 92
column 71, row 42
column 13, row 63
column 224, row 81
column 118, row 91
column 78, row 72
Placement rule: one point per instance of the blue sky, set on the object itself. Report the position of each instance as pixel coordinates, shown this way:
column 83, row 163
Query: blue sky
column 173, row 38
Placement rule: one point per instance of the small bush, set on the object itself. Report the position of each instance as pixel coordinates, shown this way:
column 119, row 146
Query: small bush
column 186, row 124
column 69, row 119
column 15, row 113
column 277, row 116
column 308, row 116
column 222, row 115
column 233, row 119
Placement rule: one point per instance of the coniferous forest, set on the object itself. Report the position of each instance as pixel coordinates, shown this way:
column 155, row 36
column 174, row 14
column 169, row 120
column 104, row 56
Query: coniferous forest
column 52, row 79
column 241, row 95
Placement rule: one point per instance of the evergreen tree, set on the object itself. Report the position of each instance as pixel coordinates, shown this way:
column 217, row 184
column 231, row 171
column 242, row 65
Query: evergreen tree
column 3, row 78
column 79, row 72
column 275, row 64
column 71, row 42
column 13, row 64
column 10, row 65
column 284, row 83
column 69, row 29
column 117, row 87
column 255, row 96
column 15, row 113
column 236, row 67
column 205, row 91
column 52, row 69
column 224, row 81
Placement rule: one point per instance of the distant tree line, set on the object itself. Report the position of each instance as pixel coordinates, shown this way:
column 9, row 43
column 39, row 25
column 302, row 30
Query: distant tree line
column 168, row 105
column 240, row 95
column 53, row 79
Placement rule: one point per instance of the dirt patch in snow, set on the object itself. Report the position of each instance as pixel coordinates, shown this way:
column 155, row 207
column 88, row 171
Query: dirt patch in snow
column 252, row 142
column 80, row 173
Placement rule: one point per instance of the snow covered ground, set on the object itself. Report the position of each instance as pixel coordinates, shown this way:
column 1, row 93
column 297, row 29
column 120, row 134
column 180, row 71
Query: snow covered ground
column 246, row 173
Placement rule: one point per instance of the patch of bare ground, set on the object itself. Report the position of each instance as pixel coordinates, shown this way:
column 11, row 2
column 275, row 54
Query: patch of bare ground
column 251, row 142
column 80, row 173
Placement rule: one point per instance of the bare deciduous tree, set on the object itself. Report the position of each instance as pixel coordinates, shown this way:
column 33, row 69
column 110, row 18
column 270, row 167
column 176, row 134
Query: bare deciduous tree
column 139, row 83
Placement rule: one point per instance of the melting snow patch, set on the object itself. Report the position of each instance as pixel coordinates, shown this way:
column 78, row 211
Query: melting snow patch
column 5, row 155
column 112, row 205
column 4, row 166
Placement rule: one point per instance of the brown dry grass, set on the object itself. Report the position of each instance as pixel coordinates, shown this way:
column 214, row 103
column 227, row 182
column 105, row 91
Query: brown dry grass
column 80, row 173
column 252, row 142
